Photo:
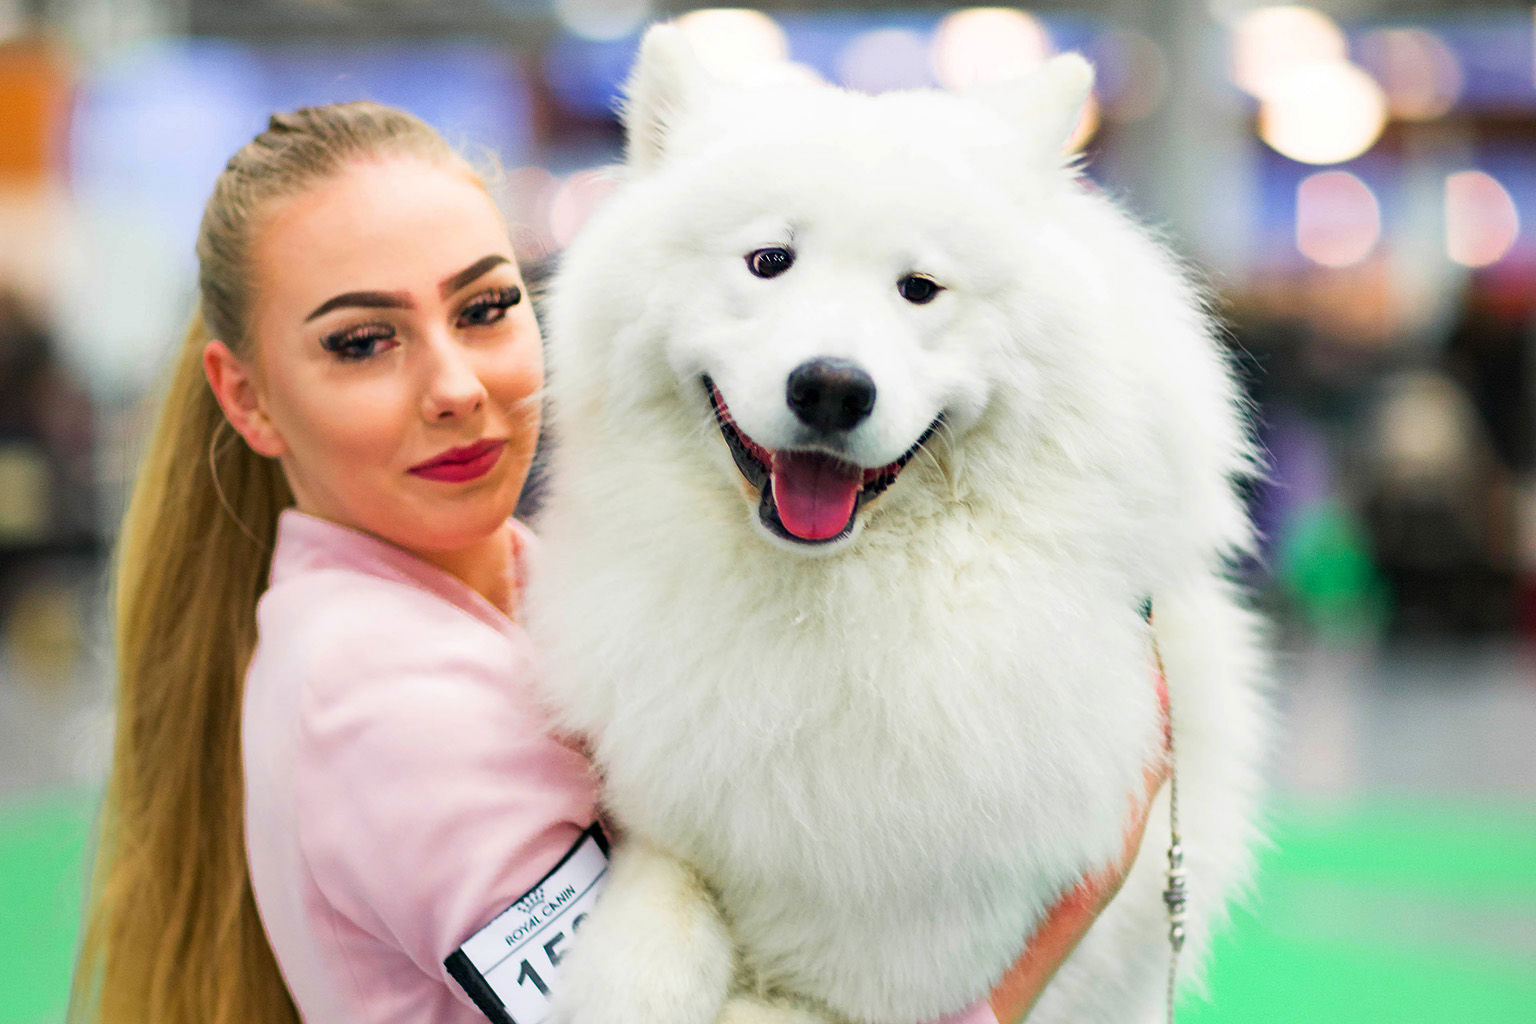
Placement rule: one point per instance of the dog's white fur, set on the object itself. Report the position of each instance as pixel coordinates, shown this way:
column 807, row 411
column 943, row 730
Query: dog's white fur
column 887, row 755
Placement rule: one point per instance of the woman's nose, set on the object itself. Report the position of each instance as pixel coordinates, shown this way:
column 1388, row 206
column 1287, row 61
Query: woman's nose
column 454, row 388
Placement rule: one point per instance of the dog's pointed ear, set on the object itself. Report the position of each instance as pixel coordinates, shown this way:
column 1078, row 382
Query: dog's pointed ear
column 1044, row 104
column 667, row 79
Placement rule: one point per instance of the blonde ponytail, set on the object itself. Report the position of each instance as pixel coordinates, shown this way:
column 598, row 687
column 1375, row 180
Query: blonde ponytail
column 172, row 935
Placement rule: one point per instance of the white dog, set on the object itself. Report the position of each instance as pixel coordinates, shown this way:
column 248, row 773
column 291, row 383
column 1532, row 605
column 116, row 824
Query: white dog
column 876, row 431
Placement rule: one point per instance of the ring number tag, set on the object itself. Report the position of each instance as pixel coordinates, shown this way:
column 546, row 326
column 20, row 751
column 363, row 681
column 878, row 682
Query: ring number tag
column 511, row 965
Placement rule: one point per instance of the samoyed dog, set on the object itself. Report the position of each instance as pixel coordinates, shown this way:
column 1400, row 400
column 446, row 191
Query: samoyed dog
column 878, row 431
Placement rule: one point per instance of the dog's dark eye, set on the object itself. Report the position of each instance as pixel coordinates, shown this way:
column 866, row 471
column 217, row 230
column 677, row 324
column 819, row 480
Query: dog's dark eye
column 770, row 262
column 918, row 288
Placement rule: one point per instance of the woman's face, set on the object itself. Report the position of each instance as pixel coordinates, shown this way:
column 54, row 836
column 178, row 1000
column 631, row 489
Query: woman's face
column 397, row 354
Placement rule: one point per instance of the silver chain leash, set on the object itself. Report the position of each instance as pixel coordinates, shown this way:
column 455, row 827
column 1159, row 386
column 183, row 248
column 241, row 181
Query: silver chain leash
column 1174, row 897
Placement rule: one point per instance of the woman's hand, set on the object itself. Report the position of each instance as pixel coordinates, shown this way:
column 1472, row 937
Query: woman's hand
column 1071, row 918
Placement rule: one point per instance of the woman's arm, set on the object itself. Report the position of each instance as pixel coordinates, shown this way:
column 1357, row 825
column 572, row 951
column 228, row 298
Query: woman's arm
column 430, row 795
column 1072, row 916
column 1070, row 919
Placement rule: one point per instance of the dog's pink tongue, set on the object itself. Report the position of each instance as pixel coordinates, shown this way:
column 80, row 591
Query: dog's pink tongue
column 815, row 493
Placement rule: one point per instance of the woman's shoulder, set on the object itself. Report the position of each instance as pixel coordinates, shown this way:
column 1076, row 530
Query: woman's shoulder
column 340, row 587
column 360, row 635
column 342, row 639
column 346, row 601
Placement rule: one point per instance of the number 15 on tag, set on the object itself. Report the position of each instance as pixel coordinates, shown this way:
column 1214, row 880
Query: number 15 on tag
column 511, row 965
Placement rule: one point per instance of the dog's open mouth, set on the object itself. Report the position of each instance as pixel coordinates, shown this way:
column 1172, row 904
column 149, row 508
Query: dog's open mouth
column 812, row 497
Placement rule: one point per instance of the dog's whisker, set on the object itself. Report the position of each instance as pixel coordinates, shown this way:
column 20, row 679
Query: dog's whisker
column 954, row 459
column 925, row 453
column 943, row 465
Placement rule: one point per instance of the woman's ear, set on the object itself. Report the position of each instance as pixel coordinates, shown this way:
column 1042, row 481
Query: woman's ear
column 240, row 398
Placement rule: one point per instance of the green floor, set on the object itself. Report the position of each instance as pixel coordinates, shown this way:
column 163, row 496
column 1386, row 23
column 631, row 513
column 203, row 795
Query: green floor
column 1389, row 912
column 42, row 856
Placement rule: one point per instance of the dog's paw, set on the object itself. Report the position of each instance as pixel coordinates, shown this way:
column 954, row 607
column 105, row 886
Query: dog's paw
column 652, row 951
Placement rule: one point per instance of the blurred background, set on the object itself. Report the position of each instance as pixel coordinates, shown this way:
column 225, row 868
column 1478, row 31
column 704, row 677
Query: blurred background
column 1355, row 183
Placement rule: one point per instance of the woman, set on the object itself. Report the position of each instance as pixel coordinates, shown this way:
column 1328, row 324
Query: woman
column 305, row 827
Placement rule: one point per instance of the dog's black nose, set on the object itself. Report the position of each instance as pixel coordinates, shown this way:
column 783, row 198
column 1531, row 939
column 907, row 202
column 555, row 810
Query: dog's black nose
column 830, row 394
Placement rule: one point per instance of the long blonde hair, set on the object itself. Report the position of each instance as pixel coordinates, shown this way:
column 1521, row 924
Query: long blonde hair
column 172, row 935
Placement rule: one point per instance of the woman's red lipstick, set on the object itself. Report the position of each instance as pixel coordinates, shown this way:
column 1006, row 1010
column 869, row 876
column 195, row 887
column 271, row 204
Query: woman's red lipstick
column 457, row 465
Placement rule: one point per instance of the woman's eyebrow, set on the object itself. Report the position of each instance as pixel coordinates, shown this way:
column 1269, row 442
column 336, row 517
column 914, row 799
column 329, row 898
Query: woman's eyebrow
column 367, row 300
column 402, row 300
column 454, row 282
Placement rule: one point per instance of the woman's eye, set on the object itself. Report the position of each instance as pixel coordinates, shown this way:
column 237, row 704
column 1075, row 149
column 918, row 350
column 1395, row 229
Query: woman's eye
column 770, row 262
column 490, row 307
column 358, row 343
column 918, row 288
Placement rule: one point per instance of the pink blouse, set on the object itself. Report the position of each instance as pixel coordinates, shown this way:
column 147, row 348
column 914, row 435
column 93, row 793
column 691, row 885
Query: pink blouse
column 401, row 785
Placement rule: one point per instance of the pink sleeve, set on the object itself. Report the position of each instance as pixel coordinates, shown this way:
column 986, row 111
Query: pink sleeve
column 430, row 794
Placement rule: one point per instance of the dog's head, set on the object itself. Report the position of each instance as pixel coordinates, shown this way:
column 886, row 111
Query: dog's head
column 832, row 284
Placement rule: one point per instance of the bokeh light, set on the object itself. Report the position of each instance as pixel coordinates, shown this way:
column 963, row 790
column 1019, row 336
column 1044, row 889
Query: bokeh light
column 987, row 43
column 1419, row 72
column 1323, row 113
column 883, row 59
column 1481, row 222
column 1426, row 428
column 602, row 19
column 1338, row 219
column 735, row 44
column 1269, row 42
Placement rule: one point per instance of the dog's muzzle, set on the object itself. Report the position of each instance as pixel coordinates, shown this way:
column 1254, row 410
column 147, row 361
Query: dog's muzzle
column 813, row 496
